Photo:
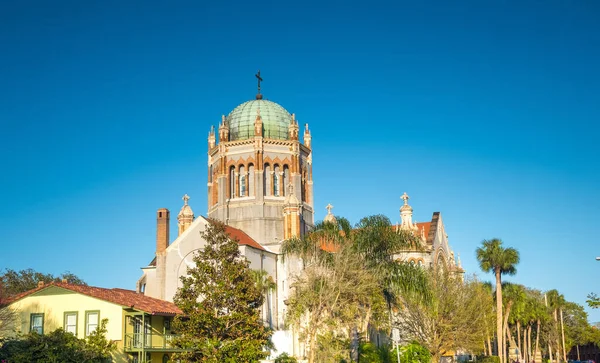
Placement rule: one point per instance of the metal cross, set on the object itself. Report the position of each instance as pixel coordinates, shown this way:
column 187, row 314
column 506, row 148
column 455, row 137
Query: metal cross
column 257, row 75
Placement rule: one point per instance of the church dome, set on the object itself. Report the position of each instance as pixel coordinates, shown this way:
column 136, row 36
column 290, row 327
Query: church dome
column 276, row 120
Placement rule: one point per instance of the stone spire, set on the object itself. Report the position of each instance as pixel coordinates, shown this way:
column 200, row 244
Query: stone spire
column 185, row 216
column 223, row 130
column 406, row 212
column 329, row 217
column 293, row 130
column 211, row 138
column 307, row 137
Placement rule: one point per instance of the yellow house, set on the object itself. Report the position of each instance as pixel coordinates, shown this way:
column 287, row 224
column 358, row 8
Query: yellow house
column 139, row 325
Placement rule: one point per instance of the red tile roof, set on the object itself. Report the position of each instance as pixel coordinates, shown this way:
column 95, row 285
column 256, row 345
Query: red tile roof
column 425, row 226
column 242, row 238
column 128, row 298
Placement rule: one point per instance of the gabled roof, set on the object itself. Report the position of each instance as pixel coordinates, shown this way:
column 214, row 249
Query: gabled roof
column 126, row 298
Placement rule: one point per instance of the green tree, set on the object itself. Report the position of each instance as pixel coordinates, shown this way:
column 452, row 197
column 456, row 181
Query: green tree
column 413, row 353
column 556, row 302
column 514, row 296
column 450, row 320
column 336, row 294
column 493, row 257
column 221, row 304
column 15, row 282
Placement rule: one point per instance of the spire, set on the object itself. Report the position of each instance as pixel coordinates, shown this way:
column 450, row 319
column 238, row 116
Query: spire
column 185, row 216
column 211, row 138
column 293, row 128
column 223, row 130
column 307, row 137
column 406, row 213
column 329, row 217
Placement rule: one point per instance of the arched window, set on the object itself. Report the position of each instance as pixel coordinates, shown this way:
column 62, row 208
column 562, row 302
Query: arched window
column 276, row 180
column 267, row 180
column 420, row 263
column 286, row 179
column 242, row 181
column 251, row 180
column 165, row 358
column 232, row 182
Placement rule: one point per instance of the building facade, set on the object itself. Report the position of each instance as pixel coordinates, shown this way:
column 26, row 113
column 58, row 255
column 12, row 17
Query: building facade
column 139, row 325
column 260, row 184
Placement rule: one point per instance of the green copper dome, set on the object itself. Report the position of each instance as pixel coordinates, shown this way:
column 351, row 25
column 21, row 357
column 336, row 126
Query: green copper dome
column 276, row 120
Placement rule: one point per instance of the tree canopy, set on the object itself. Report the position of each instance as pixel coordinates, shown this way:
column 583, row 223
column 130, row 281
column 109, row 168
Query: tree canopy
column 15, row 282
column 221, row 304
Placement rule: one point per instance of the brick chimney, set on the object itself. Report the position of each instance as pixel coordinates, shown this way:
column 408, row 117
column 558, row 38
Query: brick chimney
column 162, row 230
column 162, row 242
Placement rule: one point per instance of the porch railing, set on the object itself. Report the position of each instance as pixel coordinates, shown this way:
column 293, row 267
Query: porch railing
column 139, row 341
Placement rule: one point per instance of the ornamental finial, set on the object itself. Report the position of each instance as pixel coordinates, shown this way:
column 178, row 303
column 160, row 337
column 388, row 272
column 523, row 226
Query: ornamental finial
column 405, row 198
column 185, row 199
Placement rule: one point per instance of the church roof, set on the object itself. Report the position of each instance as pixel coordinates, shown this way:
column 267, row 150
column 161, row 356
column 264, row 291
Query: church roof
column 243, row 238
column 275, row 119
column 425, row 226
column 127, row 298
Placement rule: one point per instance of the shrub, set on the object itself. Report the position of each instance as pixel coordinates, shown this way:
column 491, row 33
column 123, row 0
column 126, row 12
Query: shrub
column 285, row 358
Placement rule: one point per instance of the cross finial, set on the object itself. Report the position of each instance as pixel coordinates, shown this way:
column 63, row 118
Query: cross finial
column 405, row 198
column 329, row 208
column 257, row 75
column 185, row 199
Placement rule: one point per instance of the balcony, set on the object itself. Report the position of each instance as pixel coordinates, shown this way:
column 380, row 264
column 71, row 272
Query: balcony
column 143, row 342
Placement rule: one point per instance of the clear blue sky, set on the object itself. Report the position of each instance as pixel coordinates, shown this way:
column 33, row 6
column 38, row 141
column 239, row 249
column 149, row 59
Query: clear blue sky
column 486, row 111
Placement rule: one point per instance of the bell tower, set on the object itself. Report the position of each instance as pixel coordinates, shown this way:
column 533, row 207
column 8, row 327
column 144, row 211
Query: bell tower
column 260, row 173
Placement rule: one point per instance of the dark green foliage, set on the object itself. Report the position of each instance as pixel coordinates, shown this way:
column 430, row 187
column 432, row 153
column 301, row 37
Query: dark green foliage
column 370, row 353
column 57, row 346
column 285, row 358
column 14, row 282
column 220, row 302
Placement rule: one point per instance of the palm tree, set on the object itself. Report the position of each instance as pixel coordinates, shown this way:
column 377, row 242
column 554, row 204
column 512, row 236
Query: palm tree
column 266, row 285
column 493, row 257
column 556, row 302
column 514, row 295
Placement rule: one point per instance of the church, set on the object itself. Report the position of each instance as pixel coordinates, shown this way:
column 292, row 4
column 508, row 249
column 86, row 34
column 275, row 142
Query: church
column 260, row 184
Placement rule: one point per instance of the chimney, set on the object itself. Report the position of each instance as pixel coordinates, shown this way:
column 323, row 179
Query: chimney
column 162, row 230
column 162, row 242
